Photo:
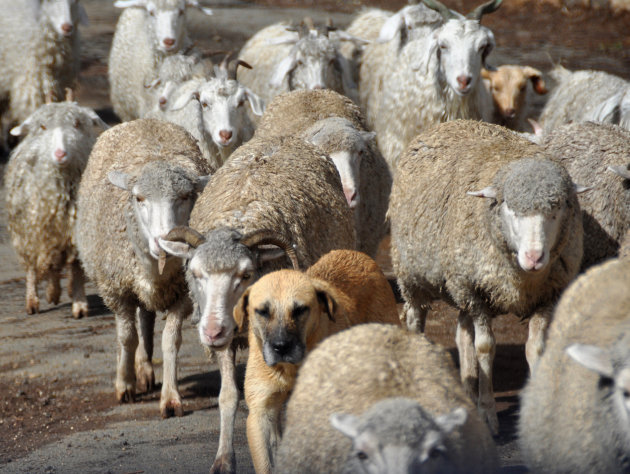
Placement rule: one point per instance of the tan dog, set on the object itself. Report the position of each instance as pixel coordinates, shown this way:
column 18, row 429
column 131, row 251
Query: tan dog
column 508, row 86
column 289, row 312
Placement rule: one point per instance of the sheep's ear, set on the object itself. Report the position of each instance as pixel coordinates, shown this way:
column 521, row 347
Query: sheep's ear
column 536, row 127
column 177, row 249
column 241, row 309
column 346, row 424
column 487, row 192
column 345, row 36
column 96, row 120
column 282, row 70
column 201, row 182
column 592, row 357
column 286, row 39
column 195, row 4
column 182, row 101
column 622, row 171
column 119, row 179
column 130, row 3
column 83, row 17
column 368, row 136
column 255, row 102
column 579, row 189
column 391, row 28
column 268, row 253
column 537, row 80
column 23, row 128
column 452, row 420
column 326, row 299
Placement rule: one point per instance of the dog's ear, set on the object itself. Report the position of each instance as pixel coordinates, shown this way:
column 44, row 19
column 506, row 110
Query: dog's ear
column 240, row 310
column 326, row 298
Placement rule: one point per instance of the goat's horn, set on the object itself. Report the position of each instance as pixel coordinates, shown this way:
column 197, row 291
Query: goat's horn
column 233, row 67
column 187, row 235
column 439, row 7
column 69, row 95
column 265, row 236
column 308, row 22
column 225, row 64
column 50, row 97
column 481, row 10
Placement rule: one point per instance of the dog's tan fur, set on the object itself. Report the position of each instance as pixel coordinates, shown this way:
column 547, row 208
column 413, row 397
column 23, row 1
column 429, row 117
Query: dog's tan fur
column 342, row 289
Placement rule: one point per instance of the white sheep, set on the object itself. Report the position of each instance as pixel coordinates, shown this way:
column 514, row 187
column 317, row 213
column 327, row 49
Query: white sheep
column 273, row 190
column 42, row 180
column 141, row 180
column 147, row 32
column 575, row 409
column 424, row 69
column 514, row 250
column 39, row 54
column 352, row 383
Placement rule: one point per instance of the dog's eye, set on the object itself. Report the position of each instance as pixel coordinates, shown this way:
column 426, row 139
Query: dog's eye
column 262, row 312
column 299, row 311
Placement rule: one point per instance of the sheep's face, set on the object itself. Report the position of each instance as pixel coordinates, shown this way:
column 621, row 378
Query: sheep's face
column 64, row 15
column 462, row 47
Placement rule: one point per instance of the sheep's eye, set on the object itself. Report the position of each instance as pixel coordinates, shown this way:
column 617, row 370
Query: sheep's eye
column 299, row 62
column 76, row 124
column 152, row 12
column 139, row 198
column 245, row 276
column 43, row 127
column 435, row 453
column 362, row 455
column 443, row 46
column 181, row 12
column 204, row 105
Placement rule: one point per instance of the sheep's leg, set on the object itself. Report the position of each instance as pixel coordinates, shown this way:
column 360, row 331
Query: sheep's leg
column 535, row 345
column 225, row 460
column 76, row 290
column 145, row 377
column 170, row 399
column 465, row 339
column 53, row 288
column 127, row 344
column 485, row 346
column 415, row 308
column 32, row 300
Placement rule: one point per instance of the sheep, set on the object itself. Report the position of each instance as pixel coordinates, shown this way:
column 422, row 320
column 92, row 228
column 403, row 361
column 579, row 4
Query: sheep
column 147, row 32
column 335, row 125
column 424, row 69
column 288, row 313
column 213, row 111
column 361, row 373
column 306, row 59
column 276, row 190
column 39, row 53
column 513, row 251
column 597, row 155
column 586, row 95
column 141, row 180
column 510, row 94
column 575, row 408
column 42, row 179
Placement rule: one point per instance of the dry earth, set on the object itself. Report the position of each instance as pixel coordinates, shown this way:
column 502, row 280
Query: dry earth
column 57, row 407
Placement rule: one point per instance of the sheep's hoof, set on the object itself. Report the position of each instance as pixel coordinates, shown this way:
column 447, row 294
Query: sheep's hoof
column 53, row 293
column 126, row 396
column 79, row 309
column 145, row 378
column 225, row 464
column 172, row 407
column 32, row 306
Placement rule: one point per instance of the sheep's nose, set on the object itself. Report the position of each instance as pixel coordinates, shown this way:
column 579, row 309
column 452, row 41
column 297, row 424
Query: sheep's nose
column 162, row 101
column 169, row 42
column 351, row 197
column 318, row 87
column 67, row 28
column 534, row 258
column 60, row 154
column 225, row 135
column 464, row 80
column 509, row 113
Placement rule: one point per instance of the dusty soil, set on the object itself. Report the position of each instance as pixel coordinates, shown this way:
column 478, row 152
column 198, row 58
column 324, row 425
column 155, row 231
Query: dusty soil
column 57, row 408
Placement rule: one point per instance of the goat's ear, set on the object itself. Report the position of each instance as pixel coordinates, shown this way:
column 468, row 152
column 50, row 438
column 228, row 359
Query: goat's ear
column 537, row 80
column 23, row 128
column 241, row 308
column 452, row 420
column 182, row 101
column 391, row 28
column 485, row 74
column 349, row 86
column 325, row 295
column 345, row 423
column 579, row 188
column 255, row 102
column 119, row 179
column 487, row 192
column 623, row 171
column 282, row 70
column 487, row 50
column 96, row 120
column 592, row 357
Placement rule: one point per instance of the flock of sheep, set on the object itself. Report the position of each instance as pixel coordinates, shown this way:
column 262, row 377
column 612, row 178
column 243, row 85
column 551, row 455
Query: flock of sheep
column 254, row 192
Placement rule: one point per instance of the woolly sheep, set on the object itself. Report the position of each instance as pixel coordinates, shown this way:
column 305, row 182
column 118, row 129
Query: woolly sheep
column 285, row 60
column 335, row 125
column 424, row 69
column 213, row 110
column 597, row 155
column 513, row 251
column 367, row 368
column 141, row 180
column 42, row 179
column 575, row 407
column 510, row 94
column 146, row 33
column 280, row 191
column 39, row 53
column 587, row 95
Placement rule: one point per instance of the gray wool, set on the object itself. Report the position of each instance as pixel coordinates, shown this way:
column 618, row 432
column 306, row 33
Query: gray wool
column 159, row 178
column 334, row 134
column 222, row 249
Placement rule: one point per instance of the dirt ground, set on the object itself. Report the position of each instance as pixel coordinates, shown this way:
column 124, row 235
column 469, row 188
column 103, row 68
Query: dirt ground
column 57, row 406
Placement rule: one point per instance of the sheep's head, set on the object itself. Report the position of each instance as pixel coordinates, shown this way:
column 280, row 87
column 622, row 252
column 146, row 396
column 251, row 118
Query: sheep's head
column 162, row 196
column 508, row 86
column 221, row 265
column 533, row 201
column 64, row 15
column 166, row 19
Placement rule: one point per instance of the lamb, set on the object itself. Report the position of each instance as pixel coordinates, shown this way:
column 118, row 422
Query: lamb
column 39, row 53
column 513, row 251
column 213, row 110
column 141, row 180
column 306, row 59
column 146, row 33
column 288, row 313
column 278, row 191
column 357, row 377
column 419, row 74
column 575, row 408
column 42, row 179
column 587, row 95
column 597, row 155
column 511, row 96
column 336, row 126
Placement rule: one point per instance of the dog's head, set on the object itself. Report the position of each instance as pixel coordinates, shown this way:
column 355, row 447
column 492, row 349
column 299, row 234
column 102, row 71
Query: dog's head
column 284, row 309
